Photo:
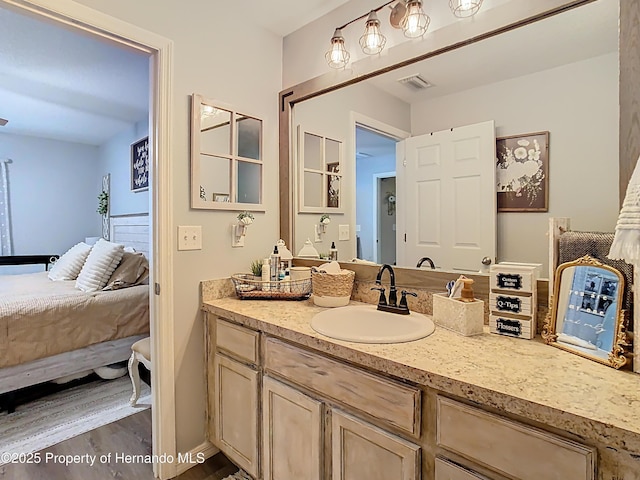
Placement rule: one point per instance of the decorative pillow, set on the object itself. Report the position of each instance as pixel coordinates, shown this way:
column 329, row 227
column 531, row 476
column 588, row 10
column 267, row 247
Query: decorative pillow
column 68, row 266
column 133, row 270
column 99, row 266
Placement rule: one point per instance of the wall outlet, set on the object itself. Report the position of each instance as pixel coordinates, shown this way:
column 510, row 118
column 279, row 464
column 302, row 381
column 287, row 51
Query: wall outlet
column 343, row 232
column 190, row 238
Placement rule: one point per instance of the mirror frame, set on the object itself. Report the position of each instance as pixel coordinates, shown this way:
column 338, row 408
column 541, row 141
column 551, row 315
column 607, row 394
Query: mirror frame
column 617, row 355
column 194, row 157
column 629, row 148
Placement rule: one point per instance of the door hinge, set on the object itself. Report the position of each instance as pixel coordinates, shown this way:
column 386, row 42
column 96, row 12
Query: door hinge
column 404, row 162
column 156, row 288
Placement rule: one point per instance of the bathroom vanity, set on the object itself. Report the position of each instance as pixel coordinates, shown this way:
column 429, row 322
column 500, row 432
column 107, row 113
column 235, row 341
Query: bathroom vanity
column 286, row 402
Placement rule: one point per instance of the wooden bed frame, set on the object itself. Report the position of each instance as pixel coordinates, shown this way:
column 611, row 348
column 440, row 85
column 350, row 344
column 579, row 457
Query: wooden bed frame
column 129, row 230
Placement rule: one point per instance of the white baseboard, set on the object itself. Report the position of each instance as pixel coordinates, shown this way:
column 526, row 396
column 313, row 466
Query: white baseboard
column 195, row 456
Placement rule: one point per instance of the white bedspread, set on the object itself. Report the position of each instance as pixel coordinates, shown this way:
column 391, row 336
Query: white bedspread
column 39, row 317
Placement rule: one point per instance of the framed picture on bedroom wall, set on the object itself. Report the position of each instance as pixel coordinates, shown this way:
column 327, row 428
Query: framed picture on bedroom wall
column 140, row 165
column 522, row 172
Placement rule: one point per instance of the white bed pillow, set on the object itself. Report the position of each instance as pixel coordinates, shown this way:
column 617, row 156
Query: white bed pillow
column 68, row 266
column 99, row 266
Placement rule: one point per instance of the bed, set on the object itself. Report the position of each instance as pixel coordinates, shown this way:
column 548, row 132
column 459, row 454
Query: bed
column 50, row 329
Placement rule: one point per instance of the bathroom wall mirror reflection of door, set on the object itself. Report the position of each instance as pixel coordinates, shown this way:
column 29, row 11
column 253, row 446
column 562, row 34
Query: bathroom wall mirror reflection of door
column 586, row 317
column 226, row 157
column 524, row 80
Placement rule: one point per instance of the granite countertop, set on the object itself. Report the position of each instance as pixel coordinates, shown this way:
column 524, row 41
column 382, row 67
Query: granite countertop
column 522, row 377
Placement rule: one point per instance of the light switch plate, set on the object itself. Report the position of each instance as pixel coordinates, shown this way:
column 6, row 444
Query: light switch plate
column 343, row 232
column 190, row 237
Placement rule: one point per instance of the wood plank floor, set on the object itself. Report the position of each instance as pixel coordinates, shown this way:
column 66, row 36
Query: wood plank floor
column 131, row 436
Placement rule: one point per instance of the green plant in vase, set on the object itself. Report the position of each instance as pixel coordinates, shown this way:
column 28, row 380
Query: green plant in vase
column 256, row 268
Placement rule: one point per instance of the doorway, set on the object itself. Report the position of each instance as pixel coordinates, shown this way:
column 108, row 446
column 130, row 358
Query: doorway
column 91, row 23
column 386, row 218
column 375, row 195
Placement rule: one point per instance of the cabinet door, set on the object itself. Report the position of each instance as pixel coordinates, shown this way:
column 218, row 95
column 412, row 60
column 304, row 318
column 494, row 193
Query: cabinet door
column 236, row 412
column 361, row 451
column 291, row 432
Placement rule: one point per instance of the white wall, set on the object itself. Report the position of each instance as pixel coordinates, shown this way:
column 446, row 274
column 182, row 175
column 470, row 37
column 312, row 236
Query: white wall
column 115, row 159
column 578, row 105
column 240, row 67
column 48, row 179
column 330, row 115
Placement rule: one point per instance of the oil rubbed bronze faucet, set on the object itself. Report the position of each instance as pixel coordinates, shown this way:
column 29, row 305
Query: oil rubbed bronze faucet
column 428, row 260
column 392, row 306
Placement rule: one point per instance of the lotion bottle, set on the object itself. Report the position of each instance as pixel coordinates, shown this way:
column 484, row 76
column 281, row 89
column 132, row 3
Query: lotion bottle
column 266, row 275
column 275, row 267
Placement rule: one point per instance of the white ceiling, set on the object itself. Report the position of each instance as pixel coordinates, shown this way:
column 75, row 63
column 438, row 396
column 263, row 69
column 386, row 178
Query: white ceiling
column 581, row 33
column 578, row 34
column 57, row 83
column 60, row 84
column 286, row 16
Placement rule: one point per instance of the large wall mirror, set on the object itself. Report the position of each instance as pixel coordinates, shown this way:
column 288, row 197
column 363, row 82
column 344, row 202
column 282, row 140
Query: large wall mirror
column 586, row 316
column 226, row 157
column 558, row 74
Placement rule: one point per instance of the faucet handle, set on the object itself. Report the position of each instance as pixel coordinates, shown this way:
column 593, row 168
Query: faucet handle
column 403, row 298
column 382, row 300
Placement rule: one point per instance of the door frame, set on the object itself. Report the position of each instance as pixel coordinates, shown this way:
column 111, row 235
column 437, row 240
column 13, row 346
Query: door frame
column 160, row 50
column 376, row 213
column 358, row 119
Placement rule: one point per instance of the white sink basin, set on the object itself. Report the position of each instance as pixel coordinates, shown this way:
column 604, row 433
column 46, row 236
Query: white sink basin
column 365, row 324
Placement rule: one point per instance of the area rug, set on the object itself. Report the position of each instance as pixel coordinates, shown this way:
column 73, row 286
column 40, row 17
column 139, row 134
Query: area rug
column 45, row 422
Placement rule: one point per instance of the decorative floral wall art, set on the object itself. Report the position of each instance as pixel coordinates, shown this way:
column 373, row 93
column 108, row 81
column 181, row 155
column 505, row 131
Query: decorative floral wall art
column 140, row 165
column 522, row 172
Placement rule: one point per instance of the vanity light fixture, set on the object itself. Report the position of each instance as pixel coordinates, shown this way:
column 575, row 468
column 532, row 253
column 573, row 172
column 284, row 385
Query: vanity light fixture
column 372, row 41
column 415, row 22
column 465, row 8
column 337, row 56
column 405, row 14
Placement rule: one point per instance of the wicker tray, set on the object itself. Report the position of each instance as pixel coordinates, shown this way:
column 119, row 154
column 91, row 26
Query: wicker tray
column 248, row 287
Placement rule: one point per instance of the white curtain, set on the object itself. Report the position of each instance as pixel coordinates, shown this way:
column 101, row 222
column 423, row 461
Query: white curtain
column 6, row 248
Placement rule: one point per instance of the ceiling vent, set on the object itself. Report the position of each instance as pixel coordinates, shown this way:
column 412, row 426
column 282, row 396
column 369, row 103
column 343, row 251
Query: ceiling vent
column 3, row 122
column 415, row 82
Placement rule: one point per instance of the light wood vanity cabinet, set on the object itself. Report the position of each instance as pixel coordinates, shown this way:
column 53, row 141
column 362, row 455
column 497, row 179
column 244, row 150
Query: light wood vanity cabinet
column 292, row 430
column 234, row 403
column 283, row 412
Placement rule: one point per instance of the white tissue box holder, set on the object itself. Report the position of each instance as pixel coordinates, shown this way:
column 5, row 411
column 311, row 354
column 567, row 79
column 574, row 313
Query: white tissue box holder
column 465, row 318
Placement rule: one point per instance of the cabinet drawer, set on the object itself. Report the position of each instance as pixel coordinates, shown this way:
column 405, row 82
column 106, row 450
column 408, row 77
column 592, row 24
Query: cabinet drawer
column 392, row 402
column 511, row 448
column 446, row 470
column 516, row 281
column 237, row 341
column 509, row 303
column 513, row 327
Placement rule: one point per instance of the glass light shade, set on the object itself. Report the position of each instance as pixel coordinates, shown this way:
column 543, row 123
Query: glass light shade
column 337, row 56
column 372, row 41
column 415, row 22
column 465, row 8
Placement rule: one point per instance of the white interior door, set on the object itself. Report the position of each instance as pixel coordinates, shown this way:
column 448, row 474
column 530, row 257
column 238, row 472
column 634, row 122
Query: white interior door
column 448, row 197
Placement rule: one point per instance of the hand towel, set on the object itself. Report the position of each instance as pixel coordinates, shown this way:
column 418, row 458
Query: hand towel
column 626, row 242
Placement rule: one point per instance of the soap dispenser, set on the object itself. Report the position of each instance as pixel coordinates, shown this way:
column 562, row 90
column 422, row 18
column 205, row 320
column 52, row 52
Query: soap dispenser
column 466, row 294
